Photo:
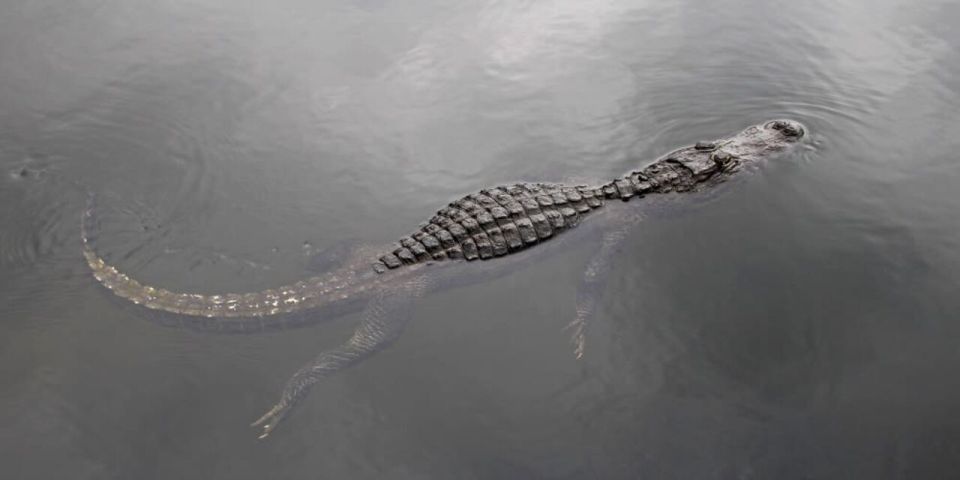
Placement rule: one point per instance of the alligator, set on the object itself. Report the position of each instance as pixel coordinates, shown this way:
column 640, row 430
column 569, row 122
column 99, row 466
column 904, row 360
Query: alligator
column 465, row 242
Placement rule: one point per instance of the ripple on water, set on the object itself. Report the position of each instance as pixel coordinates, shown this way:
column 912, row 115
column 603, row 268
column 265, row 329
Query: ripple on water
column 42, row 224
column 152, row 155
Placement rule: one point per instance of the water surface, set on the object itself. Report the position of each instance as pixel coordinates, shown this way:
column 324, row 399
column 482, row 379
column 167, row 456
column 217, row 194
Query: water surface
column 801, row 325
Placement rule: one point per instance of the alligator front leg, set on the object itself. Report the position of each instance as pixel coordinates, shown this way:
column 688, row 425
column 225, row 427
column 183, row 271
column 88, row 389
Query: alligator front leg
column 592, row 285
column 383, row 320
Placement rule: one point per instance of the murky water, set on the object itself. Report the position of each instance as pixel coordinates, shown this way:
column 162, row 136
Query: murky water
column 801, row 325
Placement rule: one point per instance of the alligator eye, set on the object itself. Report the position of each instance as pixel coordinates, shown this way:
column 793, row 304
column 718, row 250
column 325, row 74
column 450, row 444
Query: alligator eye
column 721, row 158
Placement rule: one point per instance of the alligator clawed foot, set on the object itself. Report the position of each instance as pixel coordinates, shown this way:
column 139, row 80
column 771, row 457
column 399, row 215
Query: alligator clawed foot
column 578, row 342
column 577, row 339
column 270, row 420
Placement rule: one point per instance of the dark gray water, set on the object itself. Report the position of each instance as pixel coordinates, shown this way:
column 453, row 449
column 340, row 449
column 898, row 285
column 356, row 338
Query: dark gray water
column 804, row 324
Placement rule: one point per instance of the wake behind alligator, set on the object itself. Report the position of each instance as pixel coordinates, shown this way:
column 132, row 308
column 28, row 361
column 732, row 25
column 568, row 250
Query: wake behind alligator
column 473, row 234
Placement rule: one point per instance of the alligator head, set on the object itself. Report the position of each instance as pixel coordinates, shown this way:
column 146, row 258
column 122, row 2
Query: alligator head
column 759, row 141
column 747, row 148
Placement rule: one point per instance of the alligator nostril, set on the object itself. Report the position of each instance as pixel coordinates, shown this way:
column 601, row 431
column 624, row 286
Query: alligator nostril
column 789, row 129
column 792, row 130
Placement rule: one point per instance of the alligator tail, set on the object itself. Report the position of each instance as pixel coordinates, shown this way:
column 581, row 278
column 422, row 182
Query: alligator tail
column 227, row 311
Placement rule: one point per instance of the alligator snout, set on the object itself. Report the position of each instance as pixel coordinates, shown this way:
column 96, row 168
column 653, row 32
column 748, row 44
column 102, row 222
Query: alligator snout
column 788, row 128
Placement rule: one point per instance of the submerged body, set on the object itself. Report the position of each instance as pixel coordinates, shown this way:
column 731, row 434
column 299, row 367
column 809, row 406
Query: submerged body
column 522, row 221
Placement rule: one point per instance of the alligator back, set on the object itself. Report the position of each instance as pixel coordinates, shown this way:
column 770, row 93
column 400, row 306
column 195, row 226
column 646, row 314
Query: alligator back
column 494, row 222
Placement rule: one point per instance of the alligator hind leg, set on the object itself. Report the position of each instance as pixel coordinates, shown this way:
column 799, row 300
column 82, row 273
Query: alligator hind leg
column 592, row 286
column 383, row 320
